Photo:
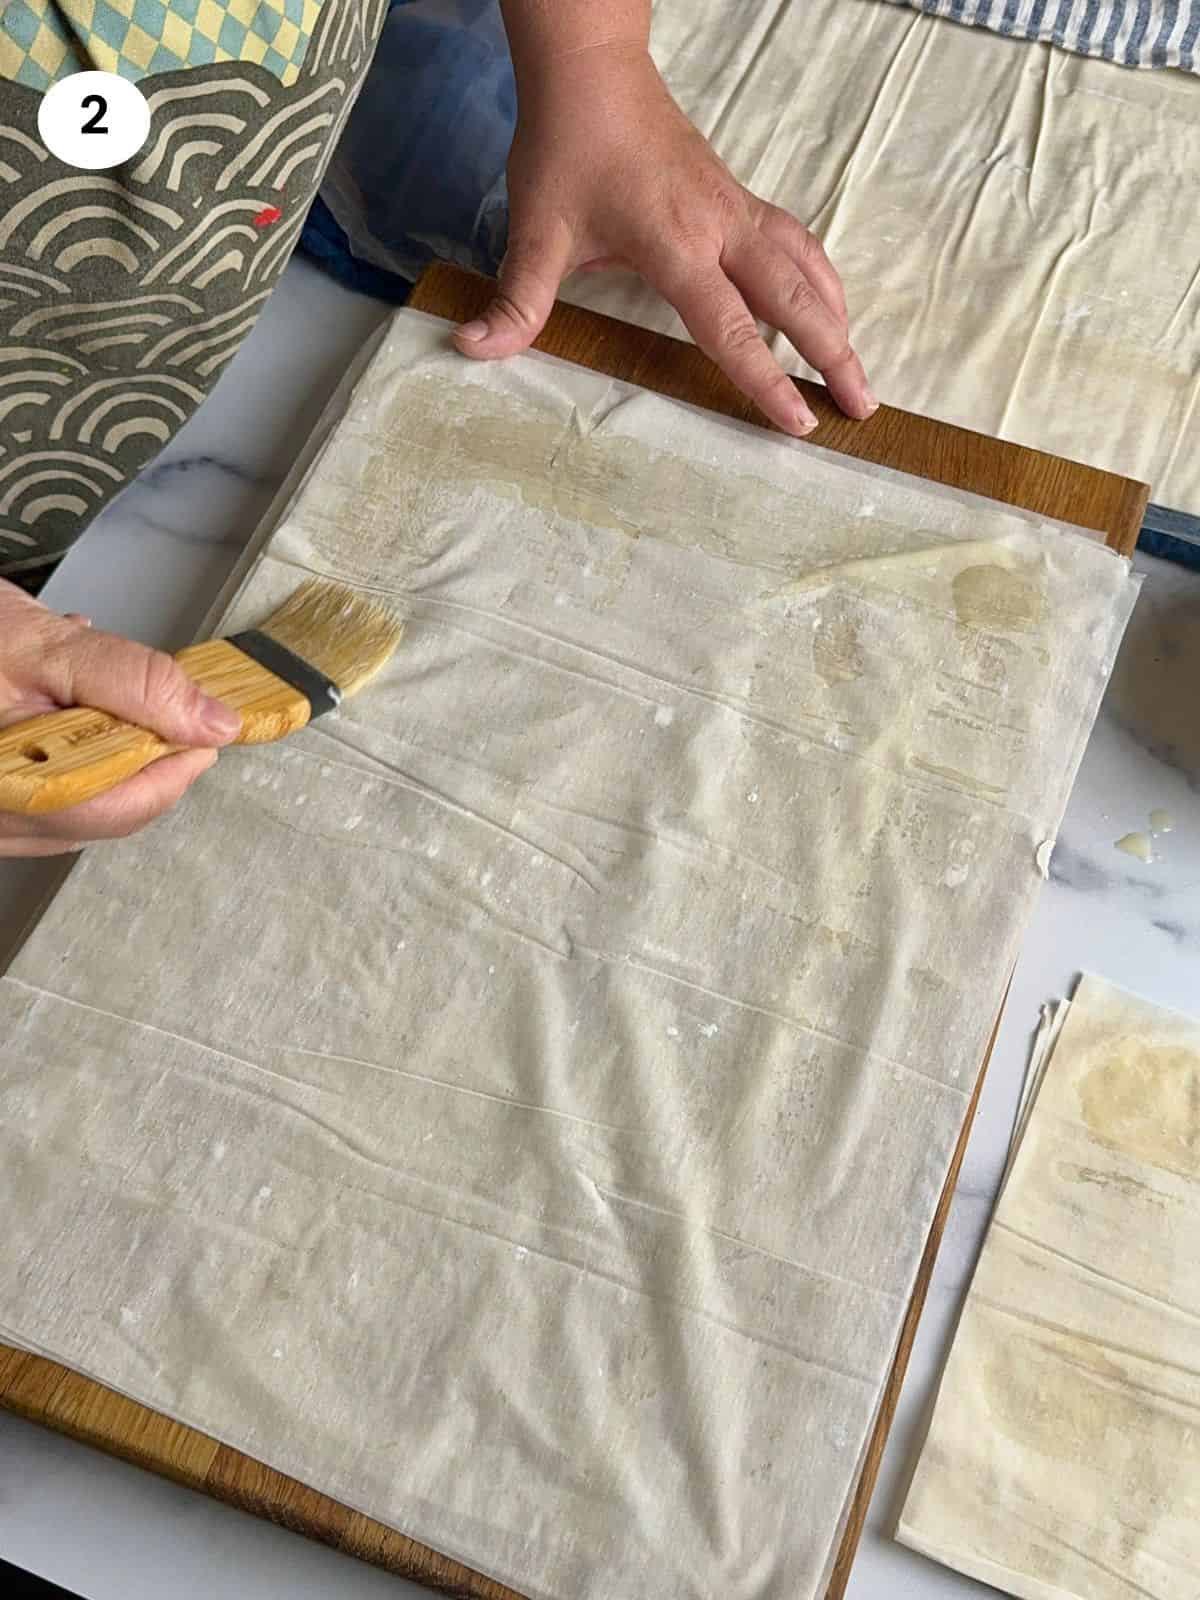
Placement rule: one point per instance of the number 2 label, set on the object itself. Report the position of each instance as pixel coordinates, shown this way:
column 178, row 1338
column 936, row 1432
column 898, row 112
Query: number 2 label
column 94, row 120
column 101, row 104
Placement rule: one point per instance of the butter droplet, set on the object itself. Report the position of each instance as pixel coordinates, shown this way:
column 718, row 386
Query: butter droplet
column 1137, row 844
column 1042, row 854
column 1161, row 821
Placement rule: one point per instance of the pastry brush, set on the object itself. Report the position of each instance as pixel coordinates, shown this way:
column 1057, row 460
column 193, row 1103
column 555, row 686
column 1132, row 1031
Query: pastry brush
column 323, row 644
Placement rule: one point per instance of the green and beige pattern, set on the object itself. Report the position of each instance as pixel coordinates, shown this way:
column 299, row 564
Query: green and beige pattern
column 44, row 40
column 123, row 295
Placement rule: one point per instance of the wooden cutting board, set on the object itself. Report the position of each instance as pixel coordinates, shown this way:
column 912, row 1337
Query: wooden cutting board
column 1113, row 506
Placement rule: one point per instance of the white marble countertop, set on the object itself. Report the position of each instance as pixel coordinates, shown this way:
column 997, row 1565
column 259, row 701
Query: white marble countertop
column 150, row 568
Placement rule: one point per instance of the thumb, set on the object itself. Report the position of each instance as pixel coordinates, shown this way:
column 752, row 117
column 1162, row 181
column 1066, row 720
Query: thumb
column 144, row 686
column 531, row 272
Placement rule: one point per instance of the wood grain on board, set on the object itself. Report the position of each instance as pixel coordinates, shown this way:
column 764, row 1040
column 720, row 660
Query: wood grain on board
column 1048, row 485
column 53, row 1395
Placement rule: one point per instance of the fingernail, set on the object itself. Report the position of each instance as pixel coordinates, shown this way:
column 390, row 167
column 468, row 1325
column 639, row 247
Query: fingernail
column 806, row 422
column 871, row 403
column 219, row 719
column 472, row 332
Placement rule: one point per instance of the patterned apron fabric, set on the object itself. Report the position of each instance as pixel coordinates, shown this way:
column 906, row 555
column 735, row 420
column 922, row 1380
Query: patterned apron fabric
column 44, row 40
column 124, row 294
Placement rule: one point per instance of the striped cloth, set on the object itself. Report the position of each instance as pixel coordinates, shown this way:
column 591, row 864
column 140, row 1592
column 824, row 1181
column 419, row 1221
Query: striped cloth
column 1134, row 33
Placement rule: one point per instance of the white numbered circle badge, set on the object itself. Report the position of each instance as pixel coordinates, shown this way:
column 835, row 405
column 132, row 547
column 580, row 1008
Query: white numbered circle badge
column 94, row 120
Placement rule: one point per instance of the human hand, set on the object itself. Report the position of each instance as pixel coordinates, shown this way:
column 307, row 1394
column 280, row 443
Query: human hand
column 606, row 170
column 47, row 662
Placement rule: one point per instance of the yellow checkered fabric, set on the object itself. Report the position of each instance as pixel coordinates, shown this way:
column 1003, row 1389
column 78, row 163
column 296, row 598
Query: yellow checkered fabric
column 44, row 40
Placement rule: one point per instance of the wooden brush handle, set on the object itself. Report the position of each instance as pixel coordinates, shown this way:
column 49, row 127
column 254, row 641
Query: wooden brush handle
column 65, row 757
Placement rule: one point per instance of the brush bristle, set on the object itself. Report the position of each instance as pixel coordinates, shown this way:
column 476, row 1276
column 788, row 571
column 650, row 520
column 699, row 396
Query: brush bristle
column 336, row 630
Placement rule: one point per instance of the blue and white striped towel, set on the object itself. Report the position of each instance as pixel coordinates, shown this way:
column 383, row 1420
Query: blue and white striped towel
column 1135, row 33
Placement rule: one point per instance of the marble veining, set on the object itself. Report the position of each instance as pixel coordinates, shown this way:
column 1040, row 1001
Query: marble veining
column 152, row 565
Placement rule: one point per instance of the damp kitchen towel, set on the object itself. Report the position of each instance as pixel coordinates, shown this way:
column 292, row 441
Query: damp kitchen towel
column 1019, row 258
column 517, row 1104
column 1134, row 33
column 1017, row 227
column 1063, row 1462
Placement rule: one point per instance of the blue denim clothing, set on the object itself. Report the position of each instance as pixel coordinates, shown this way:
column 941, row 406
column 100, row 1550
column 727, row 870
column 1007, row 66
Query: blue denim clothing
column 419, row 170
